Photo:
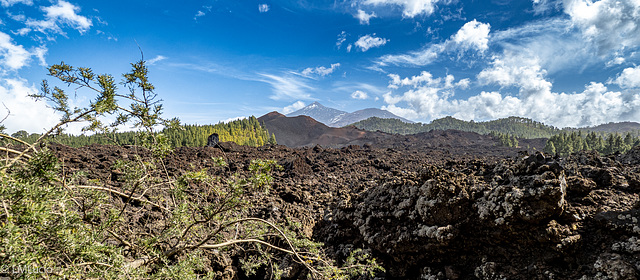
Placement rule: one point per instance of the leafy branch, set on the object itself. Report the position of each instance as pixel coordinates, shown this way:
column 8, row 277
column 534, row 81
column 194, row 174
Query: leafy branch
column 92, row 228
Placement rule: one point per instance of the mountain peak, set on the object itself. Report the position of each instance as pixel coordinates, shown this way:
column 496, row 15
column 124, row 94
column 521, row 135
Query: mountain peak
column 318, row 112
column 314, row 105
column 337, row 118
column 270, row 116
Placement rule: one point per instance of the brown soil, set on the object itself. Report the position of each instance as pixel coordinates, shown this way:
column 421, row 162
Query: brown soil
column 438, row 205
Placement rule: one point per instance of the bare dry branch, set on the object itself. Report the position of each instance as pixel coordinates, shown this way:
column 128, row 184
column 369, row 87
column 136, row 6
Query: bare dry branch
column 8, row 113
column 14, row 152
column 14, row 139
column 231, row 242
column 139, row 199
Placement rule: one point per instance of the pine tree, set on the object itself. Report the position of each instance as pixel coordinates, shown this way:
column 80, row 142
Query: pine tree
column 549, row 148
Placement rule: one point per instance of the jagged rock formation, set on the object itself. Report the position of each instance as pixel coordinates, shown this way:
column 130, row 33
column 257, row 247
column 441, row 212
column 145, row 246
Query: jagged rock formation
column 444, row 205
column 532, row 218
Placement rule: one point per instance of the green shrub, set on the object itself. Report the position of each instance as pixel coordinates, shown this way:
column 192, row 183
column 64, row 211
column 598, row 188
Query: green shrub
column 53, row 223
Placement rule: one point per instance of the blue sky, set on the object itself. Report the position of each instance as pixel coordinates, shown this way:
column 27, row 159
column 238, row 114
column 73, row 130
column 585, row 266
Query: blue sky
column 564, row 63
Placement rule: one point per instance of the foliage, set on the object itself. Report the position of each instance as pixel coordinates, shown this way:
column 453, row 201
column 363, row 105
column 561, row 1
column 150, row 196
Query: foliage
column 505, row 139
column 41, row 228
column 506, row 131
column 146, row 223
column 567, row 143
column 516, row 126
column 248, row 132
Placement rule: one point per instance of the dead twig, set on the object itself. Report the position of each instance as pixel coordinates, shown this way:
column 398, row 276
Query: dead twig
column 8, row 113
column 202, row 245
column 14, row 139
column 139, row 199
column 14, row 152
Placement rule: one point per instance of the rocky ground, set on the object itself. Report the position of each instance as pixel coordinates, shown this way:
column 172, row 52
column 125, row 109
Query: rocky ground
column 444, row 205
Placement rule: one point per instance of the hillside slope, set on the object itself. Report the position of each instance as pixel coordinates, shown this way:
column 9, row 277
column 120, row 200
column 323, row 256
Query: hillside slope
column 520, row 127
column 619, row 127
column 301, row 131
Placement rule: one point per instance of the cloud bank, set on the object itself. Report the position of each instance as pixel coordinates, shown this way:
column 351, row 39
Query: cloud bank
column 425, row 97
column 25, row 113
column 472, row 36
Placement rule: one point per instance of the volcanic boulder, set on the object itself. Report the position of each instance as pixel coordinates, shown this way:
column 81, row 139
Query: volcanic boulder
column 510, row 220
column 213, row 140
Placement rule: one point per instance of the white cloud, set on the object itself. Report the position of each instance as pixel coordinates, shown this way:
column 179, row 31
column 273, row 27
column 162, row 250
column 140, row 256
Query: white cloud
column 363, row 17
column 629, row 78
column 26, row 114
column 293, row 107
column 22, row 31
column 427, row 96
column 426, row 79
column 320, row 71
column 609, row 24
column 358, row 94
column 416, row 58
column 263, row 8
column 156, row 59
column 410, row 8
column 7, row 3
column 542, row 6
column 287, row 87
column 342, row 37
column 558, row 46
column 63, row 13
column 426, row 99
column 233, row 119
column 14, row 57
column 616, row 61
column 40, row 53
column 520, row 71
column 473, row 35
column 348, row 87
column 199, row 14
column 367, row 42
column 18, row 17
column 202, row 12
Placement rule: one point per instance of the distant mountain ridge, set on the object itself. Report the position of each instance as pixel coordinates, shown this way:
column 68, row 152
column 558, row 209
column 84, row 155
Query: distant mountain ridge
column 614, row 127
column 304, row 131
column 337, row 118
column 517, row 126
